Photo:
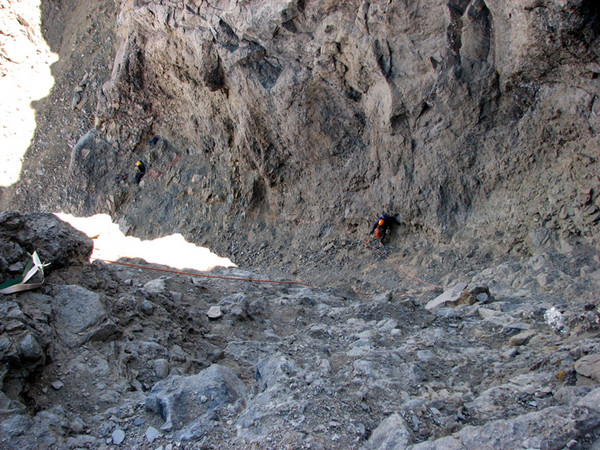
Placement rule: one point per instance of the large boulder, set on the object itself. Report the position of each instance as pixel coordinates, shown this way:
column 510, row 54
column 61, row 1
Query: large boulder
column 56, row 242
column 187, row 403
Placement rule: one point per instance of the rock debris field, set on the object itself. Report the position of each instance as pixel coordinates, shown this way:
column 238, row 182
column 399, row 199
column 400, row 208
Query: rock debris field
column 103, row 356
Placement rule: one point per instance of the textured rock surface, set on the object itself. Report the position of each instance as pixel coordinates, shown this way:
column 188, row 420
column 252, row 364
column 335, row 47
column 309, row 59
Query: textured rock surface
column 84, row 363
column 448, row 113
column 475, row 121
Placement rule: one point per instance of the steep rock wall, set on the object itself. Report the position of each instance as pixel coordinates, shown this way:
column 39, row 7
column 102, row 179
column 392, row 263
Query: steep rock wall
column 418, row 108
column 472, row 119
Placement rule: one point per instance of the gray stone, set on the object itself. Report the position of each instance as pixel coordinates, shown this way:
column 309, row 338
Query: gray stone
column 591, row 400
column 214, row 312
column 30, row 347
column 76, row 311
column 161, row 368
column 392, row 433
column 522, row 338
column 273, row 368
column 177, row 398
column 589, row 366
column 118, row 436
column 151, row 434
column 77, row 425
column 448, row 298
column 147, row 307
column 460, row 294
column 540, row 429
column 56, row 242
column 554, row 319
column 154, row 287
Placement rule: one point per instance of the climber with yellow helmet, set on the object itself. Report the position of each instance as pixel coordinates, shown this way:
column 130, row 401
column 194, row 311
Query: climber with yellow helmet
column 141, row 171
column 381, row 225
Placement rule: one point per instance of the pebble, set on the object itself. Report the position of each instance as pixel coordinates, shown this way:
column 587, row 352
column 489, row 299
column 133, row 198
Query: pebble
column 118, row 436
column 77, row 426
column 147, row 307
column 57, row 384
column 151, row 434
column 214, row 312
column 161, row 368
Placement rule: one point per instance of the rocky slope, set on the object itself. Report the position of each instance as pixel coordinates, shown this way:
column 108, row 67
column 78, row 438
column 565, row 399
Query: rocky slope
column 275, row 132
column 107, row 355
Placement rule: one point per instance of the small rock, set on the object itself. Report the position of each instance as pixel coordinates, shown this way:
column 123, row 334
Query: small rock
column 161, row 368
column 151, row 434
column 16, row 267
column 138, row 421
column 118, row 436
column 460, row 294
column 214, row 312
column 483, row 298
column 157, row 286
column 147, row 307
column 522, row 338
column 392, row 432
column 77, row 426
column 57, row 384
column 554, row 319
column 30, row 348
column 589, row 366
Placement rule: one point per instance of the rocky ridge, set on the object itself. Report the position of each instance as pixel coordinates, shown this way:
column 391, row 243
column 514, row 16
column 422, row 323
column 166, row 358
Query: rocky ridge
column 107, row 355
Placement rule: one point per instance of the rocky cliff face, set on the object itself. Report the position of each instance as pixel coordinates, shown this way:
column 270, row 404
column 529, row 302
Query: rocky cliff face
column 476, row 121
column 342, row 111
column 275, row 132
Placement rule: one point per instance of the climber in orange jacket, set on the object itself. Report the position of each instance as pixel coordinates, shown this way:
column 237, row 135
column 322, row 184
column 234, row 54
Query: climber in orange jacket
column 381, row 225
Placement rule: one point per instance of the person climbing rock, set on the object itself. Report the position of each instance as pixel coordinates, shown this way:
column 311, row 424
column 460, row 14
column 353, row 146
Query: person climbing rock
column 381, row 226
column 141, row 171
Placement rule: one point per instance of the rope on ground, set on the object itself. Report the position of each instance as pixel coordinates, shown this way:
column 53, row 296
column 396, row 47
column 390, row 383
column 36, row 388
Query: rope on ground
column 223, row 277
column 203, row 275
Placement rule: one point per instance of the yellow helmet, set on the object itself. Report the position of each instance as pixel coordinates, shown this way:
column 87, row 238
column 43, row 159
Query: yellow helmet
column 381, row 222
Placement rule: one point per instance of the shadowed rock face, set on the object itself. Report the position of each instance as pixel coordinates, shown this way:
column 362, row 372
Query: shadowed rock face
column 474, row 120
column 427, row 109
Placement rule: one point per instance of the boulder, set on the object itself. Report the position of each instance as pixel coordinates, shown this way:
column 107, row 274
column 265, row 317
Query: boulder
column 57, row 242
column 186, row 402
column 76, row 312
column 460, row 294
